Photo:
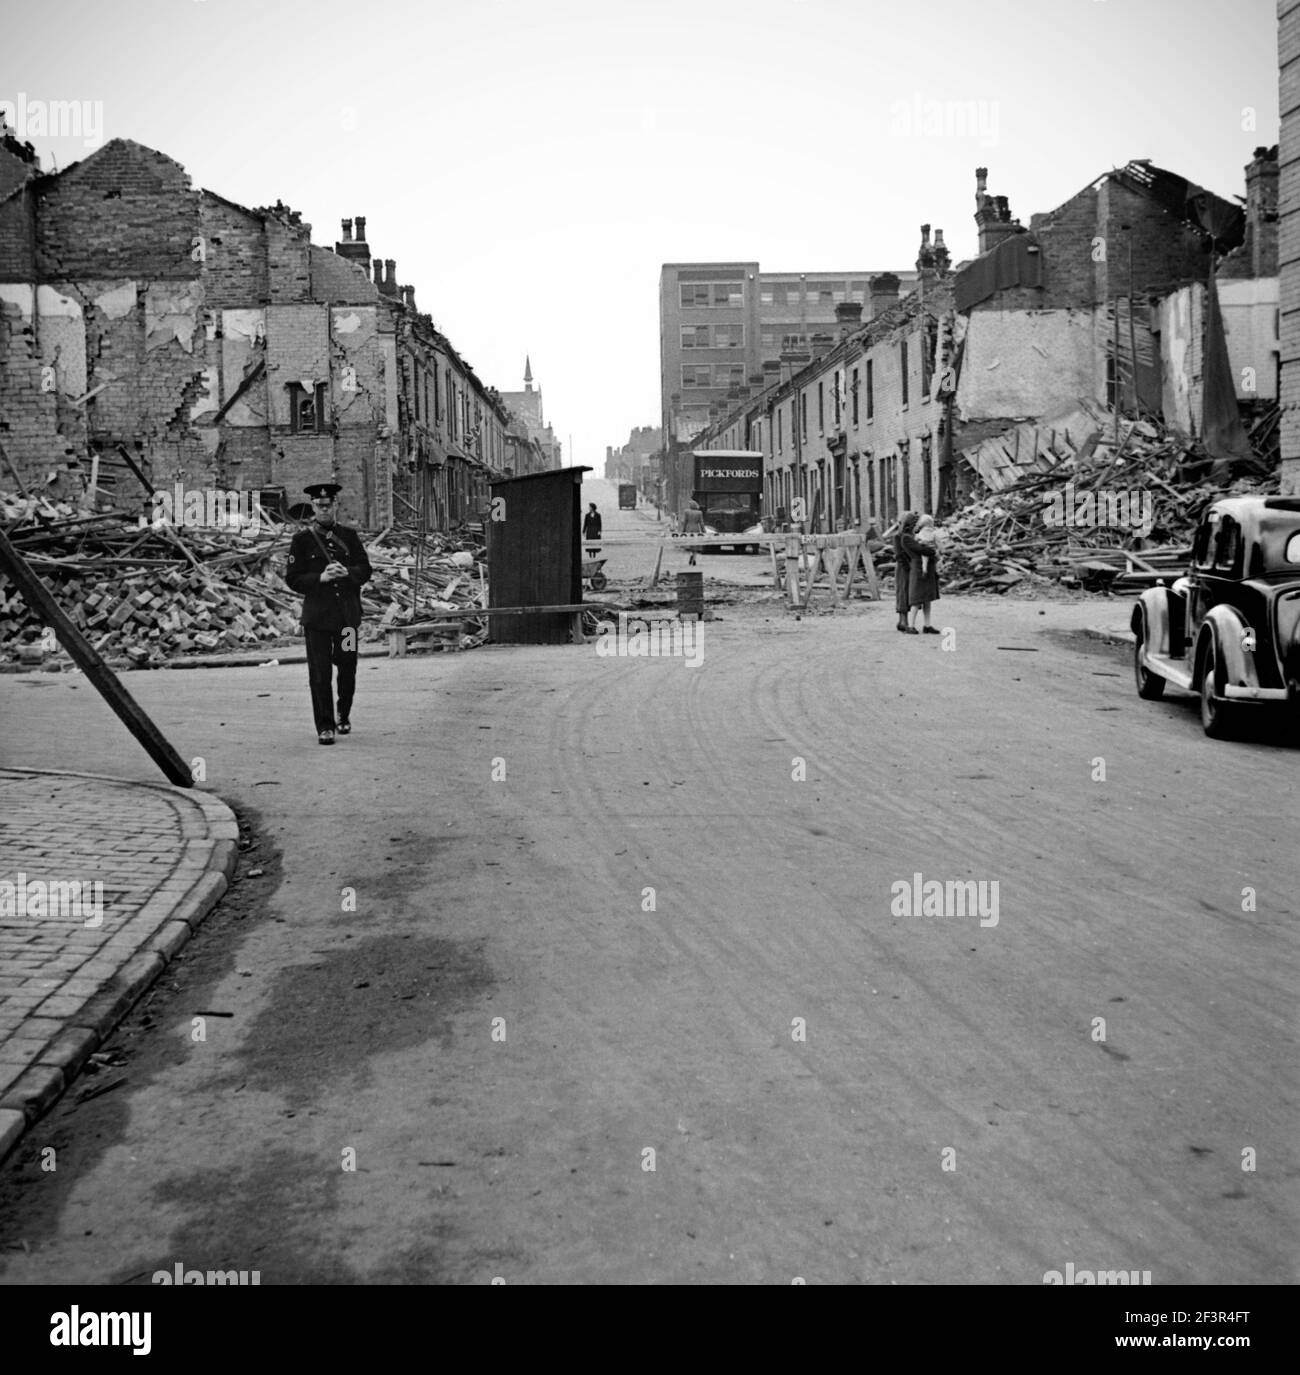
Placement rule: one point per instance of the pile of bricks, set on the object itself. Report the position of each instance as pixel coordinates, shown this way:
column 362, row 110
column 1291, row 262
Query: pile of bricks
column 143, row 595
column 1059, row 525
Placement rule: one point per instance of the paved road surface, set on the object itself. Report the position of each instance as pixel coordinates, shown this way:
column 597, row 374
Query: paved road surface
column 677, row 872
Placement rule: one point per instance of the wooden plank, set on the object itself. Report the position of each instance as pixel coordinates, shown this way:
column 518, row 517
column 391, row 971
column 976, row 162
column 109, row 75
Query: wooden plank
column 40, row 600
column 13, row 472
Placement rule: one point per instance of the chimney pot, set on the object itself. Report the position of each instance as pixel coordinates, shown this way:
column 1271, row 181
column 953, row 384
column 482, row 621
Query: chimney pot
column 379, row 272
column 347, row 231
column 361, row 229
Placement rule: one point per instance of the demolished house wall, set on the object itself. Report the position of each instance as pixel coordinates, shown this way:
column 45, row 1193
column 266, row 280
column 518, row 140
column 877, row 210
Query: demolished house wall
column 1019, row 363
column 1249, row 307
column 186, row 318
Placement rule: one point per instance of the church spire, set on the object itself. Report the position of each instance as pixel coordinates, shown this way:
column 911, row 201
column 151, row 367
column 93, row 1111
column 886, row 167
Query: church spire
column 528, row 373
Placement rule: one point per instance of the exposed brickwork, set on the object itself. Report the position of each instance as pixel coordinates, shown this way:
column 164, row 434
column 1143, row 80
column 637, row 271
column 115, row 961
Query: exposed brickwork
column 194, row 308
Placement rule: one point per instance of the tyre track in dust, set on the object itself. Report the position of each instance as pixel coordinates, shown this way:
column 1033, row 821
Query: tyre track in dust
column 920, row 1034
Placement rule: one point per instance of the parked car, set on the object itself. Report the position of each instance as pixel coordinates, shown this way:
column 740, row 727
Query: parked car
column 1229, row 629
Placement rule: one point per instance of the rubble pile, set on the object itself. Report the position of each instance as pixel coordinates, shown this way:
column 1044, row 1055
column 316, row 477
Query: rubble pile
column 1056, row 526
column 146, row 592
column 416, row 576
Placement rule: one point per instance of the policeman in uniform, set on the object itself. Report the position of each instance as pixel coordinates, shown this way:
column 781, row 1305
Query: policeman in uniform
column 327, row 567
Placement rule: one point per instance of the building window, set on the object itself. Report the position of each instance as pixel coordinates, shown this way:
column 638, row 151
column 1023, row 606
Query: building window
column 728, row 375
column 803, row 416
column 729, row 336
column 839, row 392
column 902, row 364
column 821, row 408
column 695, row 295
column 871, row 390
column 780, row 430
column 693, row 376
column 306, row 408
column 854, row 395
column 695, row 336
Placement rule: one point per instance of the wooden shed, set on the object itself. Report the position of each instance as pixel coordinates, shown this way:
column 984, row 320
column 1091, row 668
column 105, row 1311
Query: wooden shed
column 534, row 533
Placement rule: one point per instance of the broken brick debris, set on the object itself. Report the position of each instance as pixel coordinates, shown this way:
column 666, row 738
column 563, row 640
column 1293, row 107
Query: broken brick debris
column 145, row 594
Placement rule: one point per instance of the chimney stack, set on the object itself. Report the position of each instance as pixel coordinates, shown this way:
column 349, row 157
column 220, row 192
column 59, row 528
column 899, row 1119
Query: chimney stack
column 992, row 214
column 925, row 266
column 1261, row 212
column 379, row 273
column 791, row 361
column 355, row 250
column 848, row 316
column 390, row 277
column 884, row 292
column 942, row 258
column 408, row 295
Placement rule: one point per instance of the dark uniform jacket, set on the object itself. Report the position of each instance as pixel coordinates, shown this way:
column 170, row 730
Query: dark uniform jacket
column 591, row 525
column 328, row 605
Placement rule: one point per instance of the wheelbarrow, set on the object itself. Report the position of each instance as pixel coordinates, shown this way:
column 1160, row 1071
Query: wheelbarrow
column 592, row 573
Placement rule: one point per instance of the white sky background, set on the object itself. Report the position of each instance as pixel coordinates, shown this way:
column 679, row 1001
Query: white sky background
column 530, row 164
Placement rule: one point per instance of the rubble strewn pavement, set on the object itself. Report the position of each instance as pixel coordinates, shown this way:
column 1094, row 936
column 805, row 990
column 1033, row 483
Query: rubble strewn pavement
column 144, row 594
column 1008, row 537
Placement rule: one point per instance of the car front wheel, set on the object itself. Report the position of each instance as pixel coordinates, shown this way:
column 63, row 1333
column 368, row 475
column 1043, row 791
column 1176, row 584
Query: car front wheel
column 1150, row 686
column 1217, row 716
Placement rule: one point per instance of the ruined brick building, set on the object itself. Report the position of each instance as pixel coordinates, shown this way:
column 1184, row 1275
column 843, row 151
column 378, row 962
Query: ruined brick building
column 152, row 331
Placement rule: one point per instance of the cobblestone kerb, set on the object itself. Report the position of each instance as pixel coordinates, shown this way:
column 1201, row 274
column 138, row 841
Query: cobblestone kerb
column 101, row 882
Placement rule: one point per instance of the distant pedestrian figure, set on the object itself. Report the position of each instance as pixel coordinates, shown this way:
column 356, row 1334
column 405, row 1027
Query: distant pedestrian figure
column 327, row 567
column 923, row 582
column 903, row 570
column 591, row 527
column 693, row 524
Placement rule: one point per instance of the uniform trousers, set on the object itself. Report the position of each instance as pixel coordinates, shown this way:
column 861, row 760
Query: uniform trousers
column 325, row 652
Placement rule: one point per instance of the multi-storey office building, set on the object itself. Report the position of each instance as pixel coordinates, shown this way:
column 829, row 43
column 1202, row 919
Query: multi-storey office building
column 719, row 323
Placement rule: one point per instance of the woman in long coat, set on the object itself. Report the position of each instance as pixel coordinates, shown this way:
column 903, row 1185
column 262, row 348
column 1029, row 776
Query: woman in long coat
column 903, row 570
column 923, row 579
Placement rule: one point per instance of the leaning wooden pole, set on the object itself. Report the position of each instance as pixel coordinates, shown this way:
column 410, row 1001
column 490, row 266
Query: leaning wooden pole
column 38, row 598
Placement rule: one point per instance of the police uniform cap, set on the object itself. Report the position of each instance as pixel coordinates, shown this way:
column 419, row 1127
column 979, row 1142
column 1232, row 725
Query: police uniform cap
column 323, row 489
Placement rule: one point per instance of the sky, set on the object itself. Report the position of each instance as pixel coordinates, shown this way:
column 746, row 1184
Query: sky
column 531, row 164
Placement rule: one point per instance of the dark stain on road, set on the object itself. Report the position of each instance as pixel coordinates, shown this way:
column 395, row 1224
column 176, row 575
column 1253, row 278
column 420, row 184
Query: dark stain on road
column 296, row 1188
column 323, row 1021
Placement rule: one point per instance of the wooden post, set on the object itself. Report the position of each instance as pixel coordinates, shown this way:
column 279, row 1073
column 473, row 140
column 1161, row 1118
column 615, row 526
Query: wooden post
column 39, row 599
column 22, row 489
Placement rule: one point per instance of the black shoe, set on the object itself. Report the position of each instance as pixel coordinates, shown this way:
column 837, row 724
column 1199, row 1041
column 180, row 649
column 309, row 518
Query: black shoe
column 902, row 625
column 910, row 630
column 326, row 737
column 345, row 727
column 927, row 630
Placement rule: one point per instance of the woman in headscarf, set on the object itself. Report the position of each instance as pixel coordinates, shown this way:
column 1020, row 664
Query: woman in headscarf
column 923, row 583
column 903, row 570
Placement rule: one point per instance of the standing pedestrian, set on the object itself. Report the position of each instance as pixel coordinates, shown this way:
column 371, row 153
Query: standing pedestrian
column 902, row 532
column 327, row 567
column 591, row 527
column 693, row 524
column 923, row 586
